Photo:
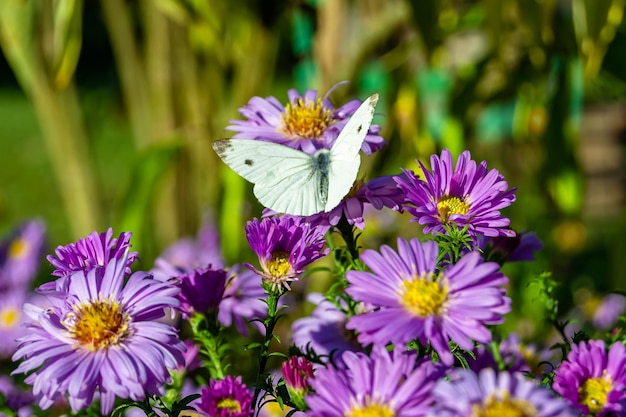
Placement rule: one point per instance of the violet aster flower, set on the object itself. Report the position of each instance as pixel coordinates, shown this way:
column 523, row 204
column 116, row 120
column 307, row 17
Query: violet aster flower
column 284, row 246
column 385, row 384
column 521, row 247
column 242, row 300
column 95, row 250
column 201, row 290
column 15, row 398
column 187, row 254
column 324, row 331
column 21, row 254
column 307, row 122
column 101, row 337
column 416, row 302
column 228, row 397
column 13, row 319
column 467, row 394
column 468, row 195
column 611, row 307
column 378, row 193
column 594, row 380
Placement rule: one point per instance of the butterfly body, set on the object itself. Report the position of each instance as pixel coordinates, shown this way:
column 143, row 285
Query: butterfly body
column 290, row 181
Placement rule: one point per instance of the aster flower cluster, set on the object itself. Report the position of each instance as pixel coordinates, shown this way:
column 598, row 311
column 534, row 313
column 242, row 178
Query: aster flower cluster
column 408, row 328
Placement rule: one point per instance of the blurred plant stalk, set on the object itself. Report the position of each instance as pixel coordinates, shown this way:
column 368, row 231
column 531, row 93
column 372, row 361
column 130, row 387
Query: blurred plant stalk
column 185, row 67
column 41, row 41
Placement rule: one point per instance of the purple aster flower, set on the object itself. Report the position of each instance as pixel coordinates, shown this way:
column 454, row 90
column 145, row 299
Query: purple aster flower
column 20, row 255
column 242, row 300
column 102, row 336
column 15, row 398
column 284, row 246
column 515, row 355
column 594, row 380
column 378, row 193
column 188, row 254
column 307, row 122
column 228, row 397
column 416, row 302
column 95, row 250
column 611, row 307
column 200, row 290
column 13, row 319
column 470, row 195
column 324, row 331
column 467, row 394
column 385, row 384
column 521, row 247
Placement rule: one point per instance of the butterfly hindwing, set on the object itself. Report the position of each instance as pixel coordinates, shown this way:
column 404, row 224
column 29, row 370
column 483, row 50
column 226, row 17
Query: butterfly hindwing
column 344, row 154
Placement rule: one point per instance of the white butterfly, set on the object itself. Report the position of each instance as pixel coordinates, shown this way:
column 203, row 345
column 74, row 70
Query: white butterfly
column 290, row 181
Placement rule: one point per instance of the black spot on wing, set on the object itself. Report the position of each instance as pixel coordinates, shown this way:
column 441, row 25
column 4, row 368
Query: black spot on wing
column 249, row 162
column 222, row 146
column 358, row 129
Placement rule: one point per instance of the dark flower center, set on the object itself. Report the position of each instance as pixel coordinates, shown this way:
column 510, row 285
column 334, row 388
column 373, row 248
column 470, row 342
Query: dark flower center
column 98, row 324
column 306, row 119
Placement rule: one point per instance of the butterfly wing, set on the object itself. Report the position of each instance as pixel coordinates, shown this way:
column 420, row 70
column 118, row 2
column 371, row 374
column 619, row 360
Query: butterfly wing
column 285, row 180
column 344, row 155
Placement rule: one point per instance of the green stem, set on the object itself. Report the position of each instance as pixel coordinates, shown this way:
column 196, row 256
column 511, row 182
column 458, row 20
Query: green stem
column 207, row 332
column 270, row 324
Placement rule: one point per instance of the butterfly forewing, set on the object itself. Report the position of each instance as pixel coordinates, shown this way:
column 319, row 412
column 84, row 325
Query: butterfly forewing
column 285, row 179
column 344, row 155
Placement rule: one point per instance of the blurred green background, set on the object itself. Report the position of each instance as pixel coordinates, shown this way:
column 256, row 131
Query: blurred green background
column 108, row 110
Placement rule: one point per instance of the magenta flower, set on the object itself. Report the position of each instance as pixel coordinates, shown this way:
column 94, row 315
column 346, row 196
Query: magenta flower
column 21, row 254
column 385, row 384
column 228, row 397
column 413, row 301
column 102, row 337
column 95, row 250
column 284, row 246
column 307, row 122
column 466, row 394
column 468, row 195
column 594, row 380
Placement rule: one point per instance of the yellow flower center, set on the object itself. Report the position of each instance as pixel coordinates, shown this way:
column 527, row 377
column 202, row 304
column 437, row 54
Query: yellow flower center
column 422, row 297
column 370, row 409
column 18, row 248
column 449, row 205
column 229, row 404
column 505, row 407
column 279, row 266
column 98, row 324
column 306, row 119
column 594, row 392
column 9, row 317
